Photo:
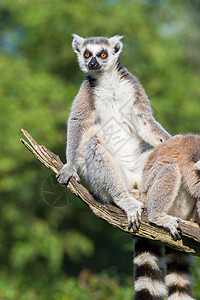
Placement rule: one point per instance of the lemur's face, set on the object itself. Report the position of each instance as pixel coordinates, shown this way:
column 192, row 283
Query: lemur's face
column 95, row 57
column 97, row 54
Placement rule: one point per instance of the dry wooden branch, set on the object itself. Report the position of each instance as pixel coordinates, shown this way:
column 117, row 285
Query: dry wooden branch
column 190, row 242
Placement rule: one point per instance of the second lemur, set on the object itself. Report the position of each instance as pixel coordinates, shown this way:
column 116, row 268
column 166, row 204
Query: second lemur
column 171, row 193
column 110, row 121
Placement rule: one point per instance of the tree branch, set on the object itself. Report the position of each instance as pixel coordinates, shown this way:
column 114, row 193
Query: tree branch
column 190, row 242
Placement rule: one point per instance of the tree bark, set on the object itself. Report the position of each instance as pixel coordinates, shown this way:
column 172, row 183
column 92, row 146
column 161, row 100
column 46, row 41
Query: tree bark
column 189, row 243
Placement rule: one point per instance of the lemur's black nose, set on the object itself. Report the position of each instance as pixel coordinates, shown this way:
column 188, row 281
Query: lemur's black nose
column 93, row 64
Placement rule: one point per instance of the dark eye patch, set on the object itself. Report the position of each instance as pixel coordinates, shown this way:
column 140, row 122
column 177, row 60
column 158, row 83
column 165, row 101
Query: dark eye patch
column 87, row 53
column 103, row 54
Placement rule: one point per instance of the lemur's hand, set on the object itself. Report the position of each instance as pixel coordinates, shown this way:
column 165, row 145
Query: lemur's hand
column 66, row 173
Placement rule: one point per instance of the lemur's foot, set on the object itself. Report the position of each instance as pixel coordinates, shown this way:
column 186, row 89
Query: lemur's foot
column 66, row 173
column 134, row 216
column 169, row 223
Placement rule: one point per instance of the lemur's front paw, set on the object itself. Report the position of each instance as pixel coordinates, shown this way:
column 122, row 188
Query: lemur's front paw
column 66, row 173
column 134, row 216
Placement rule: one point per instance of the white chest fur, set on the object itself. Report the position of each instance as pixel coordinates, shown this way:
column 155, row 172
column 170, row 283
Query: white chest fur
column 114, row 98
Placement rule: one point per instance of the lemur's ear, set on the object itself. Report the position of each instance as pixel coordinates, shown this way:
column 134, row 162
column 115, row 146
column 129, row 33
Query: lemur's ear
column 77, row 42
column 116, row 43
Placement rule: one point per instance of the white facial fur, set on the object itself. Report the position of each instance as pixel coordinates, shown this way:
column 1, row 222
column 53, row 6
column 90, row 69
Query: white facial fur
column 95, row 45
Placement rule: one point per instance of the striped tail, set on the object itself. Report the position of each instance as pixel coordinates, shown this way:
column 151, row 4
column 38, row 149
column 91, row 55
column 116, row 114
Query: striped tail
column 148, row 270
column 178, row 277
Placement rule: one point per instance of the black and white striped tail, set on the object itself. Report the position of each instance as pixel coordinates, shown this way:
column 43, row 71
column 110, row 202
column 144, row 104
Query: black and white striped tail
column 178, row 278
column 148, row 270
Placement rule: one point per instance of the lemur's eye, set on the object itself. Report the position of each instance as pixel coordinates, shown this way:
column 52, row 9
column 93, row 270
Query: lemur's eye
column 103, row 55
column 87, row 54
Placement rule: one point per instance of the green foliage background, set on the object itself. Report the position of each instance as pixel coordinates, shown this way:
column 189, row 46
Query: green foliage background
column 51, row 245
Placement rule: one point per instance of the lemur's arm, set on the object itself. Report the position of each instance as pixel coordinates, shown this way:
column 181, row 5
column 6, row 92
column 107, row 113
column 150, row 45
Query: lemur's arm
column 74, row 131
column 147, row 127
column 73, row 139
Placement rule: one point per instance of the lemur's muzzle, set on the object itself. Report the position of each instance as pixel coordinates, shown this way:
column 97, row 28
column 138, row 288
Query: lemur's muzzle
column 93, row 64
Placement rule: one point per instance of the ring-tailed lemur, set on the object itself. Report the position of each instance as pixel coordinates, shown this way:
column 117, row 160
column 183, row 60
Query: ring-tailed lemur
column 171, row 192
column 110, row 121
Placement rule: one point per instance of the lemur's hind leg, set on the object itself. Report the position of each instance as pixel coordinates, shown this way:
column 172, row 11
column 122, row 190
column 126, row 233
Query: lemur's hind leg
column 106, row 179
column 161, row 196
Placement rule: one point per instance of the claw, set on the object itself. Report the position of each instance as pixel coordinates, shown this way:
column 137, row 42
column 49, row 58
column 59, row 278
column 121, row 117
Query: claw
column 179, row 234
column 138, row 220
column 130, row 225
column 134, row 229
